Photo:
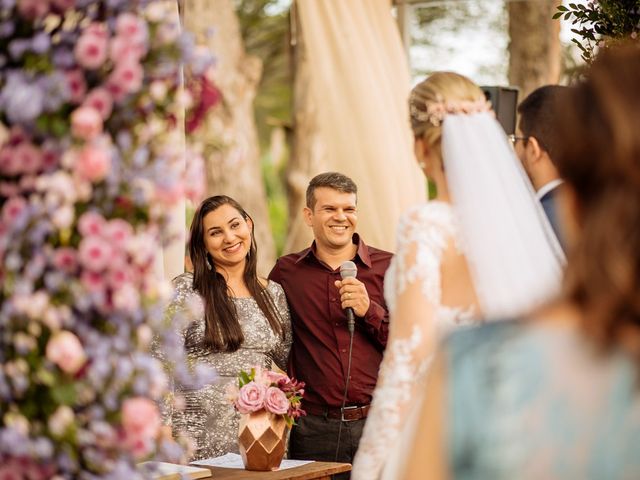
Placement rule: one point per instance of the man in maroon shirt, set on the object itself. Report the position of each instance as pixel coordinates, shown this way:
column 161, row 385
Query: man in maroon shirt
column 317, row 299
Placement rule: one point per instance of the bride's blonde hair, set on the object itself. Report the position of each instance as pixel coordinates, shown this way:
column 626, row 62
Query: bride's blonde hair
column 433, row 97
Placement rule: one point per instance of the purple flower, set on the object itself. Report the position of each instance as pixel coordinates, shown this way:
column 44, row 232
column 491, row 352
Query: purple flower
column 41, row 43
column 22, row 102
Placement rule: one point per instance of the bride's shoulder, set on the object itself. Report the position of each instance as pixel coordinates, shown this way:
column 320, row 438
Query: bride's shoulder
column 432, row 220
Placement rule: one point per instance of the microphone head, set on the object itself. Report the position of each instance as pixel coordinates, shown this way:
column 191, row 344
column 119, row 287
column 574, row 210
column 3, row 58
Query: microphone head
column 348, row 269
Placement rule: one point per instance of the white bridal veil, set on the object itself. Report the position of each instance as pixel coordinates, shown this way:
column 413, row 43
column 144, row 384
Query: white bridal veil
column 515, row 259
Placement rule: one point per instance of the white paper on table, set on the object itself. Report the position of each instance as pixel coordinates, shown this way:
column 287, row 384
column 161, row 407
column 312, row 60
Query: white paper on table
column 233, row 460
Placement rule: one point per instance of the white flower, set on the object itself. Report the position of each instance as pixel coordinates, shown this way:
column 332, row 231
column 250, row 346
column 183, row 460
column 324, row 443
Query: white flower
column 61, row 420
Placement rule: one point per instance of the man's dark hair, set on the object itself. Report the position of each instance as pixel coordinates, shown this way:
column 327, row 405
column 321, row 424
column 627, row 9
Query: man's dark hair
column 334, row 180
column 539, row 116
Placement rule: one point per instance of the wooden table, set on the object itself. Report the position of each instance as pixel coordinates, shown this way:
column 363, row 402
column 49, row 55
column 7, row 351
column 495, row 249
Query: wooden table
column 314, row 470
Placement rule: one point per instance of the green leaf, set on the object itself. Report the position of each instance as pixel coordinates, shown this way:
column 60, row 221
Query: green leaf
column 64, row 394
column 557, row 15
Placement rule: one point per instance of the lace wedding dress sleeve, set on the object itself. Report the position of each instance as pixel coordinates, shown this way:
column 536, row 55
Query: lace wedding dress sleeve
column 413, row 294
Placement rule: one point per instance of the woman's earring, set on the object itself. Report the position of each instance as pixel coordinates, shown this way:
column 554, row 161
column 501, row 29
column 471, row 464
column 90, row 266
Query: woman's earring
column 422, row 164
column 209, row 267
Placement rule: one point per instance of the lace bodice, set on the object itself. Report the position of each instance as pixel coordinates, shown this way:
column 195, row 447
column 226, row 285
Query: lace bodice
column 413, row 292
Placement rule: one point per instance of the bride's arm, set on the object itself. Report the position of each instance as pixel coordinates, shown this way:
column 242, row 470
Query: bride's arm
column 411, row 343
column 427, row 457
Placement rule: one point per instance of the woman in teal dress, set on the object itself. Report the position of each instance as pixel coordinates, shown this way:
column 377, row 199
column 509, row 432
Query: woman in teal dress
column 556, row 395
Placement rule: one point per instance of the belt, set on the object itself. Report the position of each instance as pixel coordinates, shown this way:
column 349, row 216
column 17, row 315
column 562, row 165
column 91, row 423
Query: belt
column 347, row 414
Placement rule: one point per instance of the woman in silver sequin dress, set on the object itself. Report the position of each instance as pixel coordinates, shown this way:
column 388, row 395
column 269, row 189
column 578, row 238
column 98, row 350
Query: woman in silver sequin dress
column 236, row 320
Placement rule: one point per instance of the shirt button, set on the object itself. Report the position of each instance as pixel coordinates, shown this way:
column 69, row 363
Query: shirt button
column 337, row 324
column 333, row 299
column 344, row 350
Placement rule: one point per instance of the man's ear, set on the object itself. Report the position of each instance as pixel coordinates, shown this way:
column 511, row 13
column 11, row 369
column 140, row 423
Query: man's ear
column 307, row 214
column 534, row 150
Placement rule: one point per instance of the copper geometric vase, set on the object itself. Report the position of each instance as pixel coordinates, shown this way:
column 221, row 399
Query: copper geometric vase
column 262, row 437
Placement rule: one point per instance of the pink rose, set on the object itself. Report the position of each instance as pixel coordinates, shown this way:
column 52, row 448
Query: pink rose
column 126, row 78
column 9, row 164
column 65, row 350
column 100, row 99
column 251, row 398
column 28, row 157
column 126, row 298
column 77, row 85
column 12, row 209
column 275, row 401
column 94, row 253
column 65, row 259
column 63, row 5
column 93, row 281
column 91, row 223
column 132, row 28
column 91, row 49
column 32, row 9
column 86, row 123
column 275, row 377
column 93, row 163
column 141, row 424
column 118, row 231
column 123, row 50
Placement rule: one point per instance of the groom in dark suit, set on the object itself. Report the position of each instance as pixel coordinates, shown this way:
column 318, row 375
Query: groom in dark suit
column 536, row 142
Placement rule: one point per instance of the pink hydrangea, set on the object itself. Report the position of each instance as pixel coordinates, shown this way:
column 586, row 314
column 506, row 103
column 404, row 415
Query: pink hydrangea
column 86, row 123
column 94, row 253
column 65, row 350
column 101, row 100
column 93, row 163
column 91, row 48
column 251, row 397
column 9, row 164
column 275, row 401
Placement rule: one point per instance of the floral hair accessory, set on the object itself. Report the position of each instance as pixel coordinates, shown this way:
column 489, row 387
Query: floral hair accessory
column 436, row 111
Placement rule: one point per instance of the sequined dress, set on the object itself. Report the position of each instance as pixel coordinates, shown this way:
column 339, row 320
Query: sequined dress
column 208, row 418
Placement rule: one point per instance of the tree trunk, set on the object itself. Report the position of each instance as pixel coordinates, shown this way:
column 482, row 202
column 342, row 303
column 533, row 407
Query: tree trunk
column 534, row 49
column 308, row 149
column 229, row 133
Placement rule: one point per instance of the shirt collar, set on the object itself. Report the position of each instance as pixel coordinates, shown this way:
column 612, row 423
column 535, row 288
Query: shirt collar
column 362, row 251
column 547, row 187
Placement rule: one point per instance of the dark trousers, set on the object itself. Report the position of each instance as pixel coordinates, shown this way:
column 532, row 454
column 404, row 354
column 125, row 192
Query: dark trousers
column 316, row 438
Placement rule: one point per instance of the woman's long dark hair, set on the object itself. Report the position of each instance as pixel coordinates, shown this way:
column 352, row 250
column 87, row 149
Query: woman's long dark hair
column 222, row 328
column 600, row 159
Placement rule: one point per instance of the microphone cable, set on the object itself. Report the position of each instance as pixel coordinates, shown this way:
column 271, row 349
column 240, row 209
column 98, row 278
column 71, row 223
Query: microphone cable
column 346, row 388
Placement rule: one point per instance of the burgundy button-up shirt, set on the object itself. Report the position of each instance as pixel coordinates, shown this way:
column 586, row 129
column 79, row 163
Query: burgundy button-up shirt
column 320, row 350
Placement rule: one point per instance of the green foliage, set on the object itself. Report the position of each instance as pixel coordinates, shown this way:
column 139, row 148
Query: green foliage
column 265, row 30
column 601, row 23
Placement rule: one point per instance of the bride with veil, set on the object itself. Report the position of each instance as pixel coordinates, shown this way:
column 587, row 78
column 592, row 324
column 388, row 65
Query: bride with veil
column 481, row 248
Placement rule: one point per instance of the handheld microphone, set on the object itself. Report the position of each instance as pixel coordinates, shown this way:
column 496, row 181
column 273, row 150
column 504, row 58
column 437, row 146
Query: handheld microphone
column 348, row 269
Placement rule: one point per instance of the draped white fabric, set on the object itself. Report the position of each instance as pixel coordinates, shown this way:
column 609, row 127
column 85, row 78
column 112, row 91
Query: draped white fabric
column 360, row 82
column 515, row 259
column 171, row 261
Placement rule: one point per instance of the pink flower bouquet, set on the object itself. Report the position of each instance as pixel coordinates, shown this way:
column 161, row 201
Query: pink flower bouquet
column 264, row 389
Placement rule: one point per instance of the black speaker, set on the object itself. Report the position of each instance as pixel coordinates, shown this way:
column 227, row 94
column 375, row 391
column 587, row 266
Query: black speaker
column 504, row 101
